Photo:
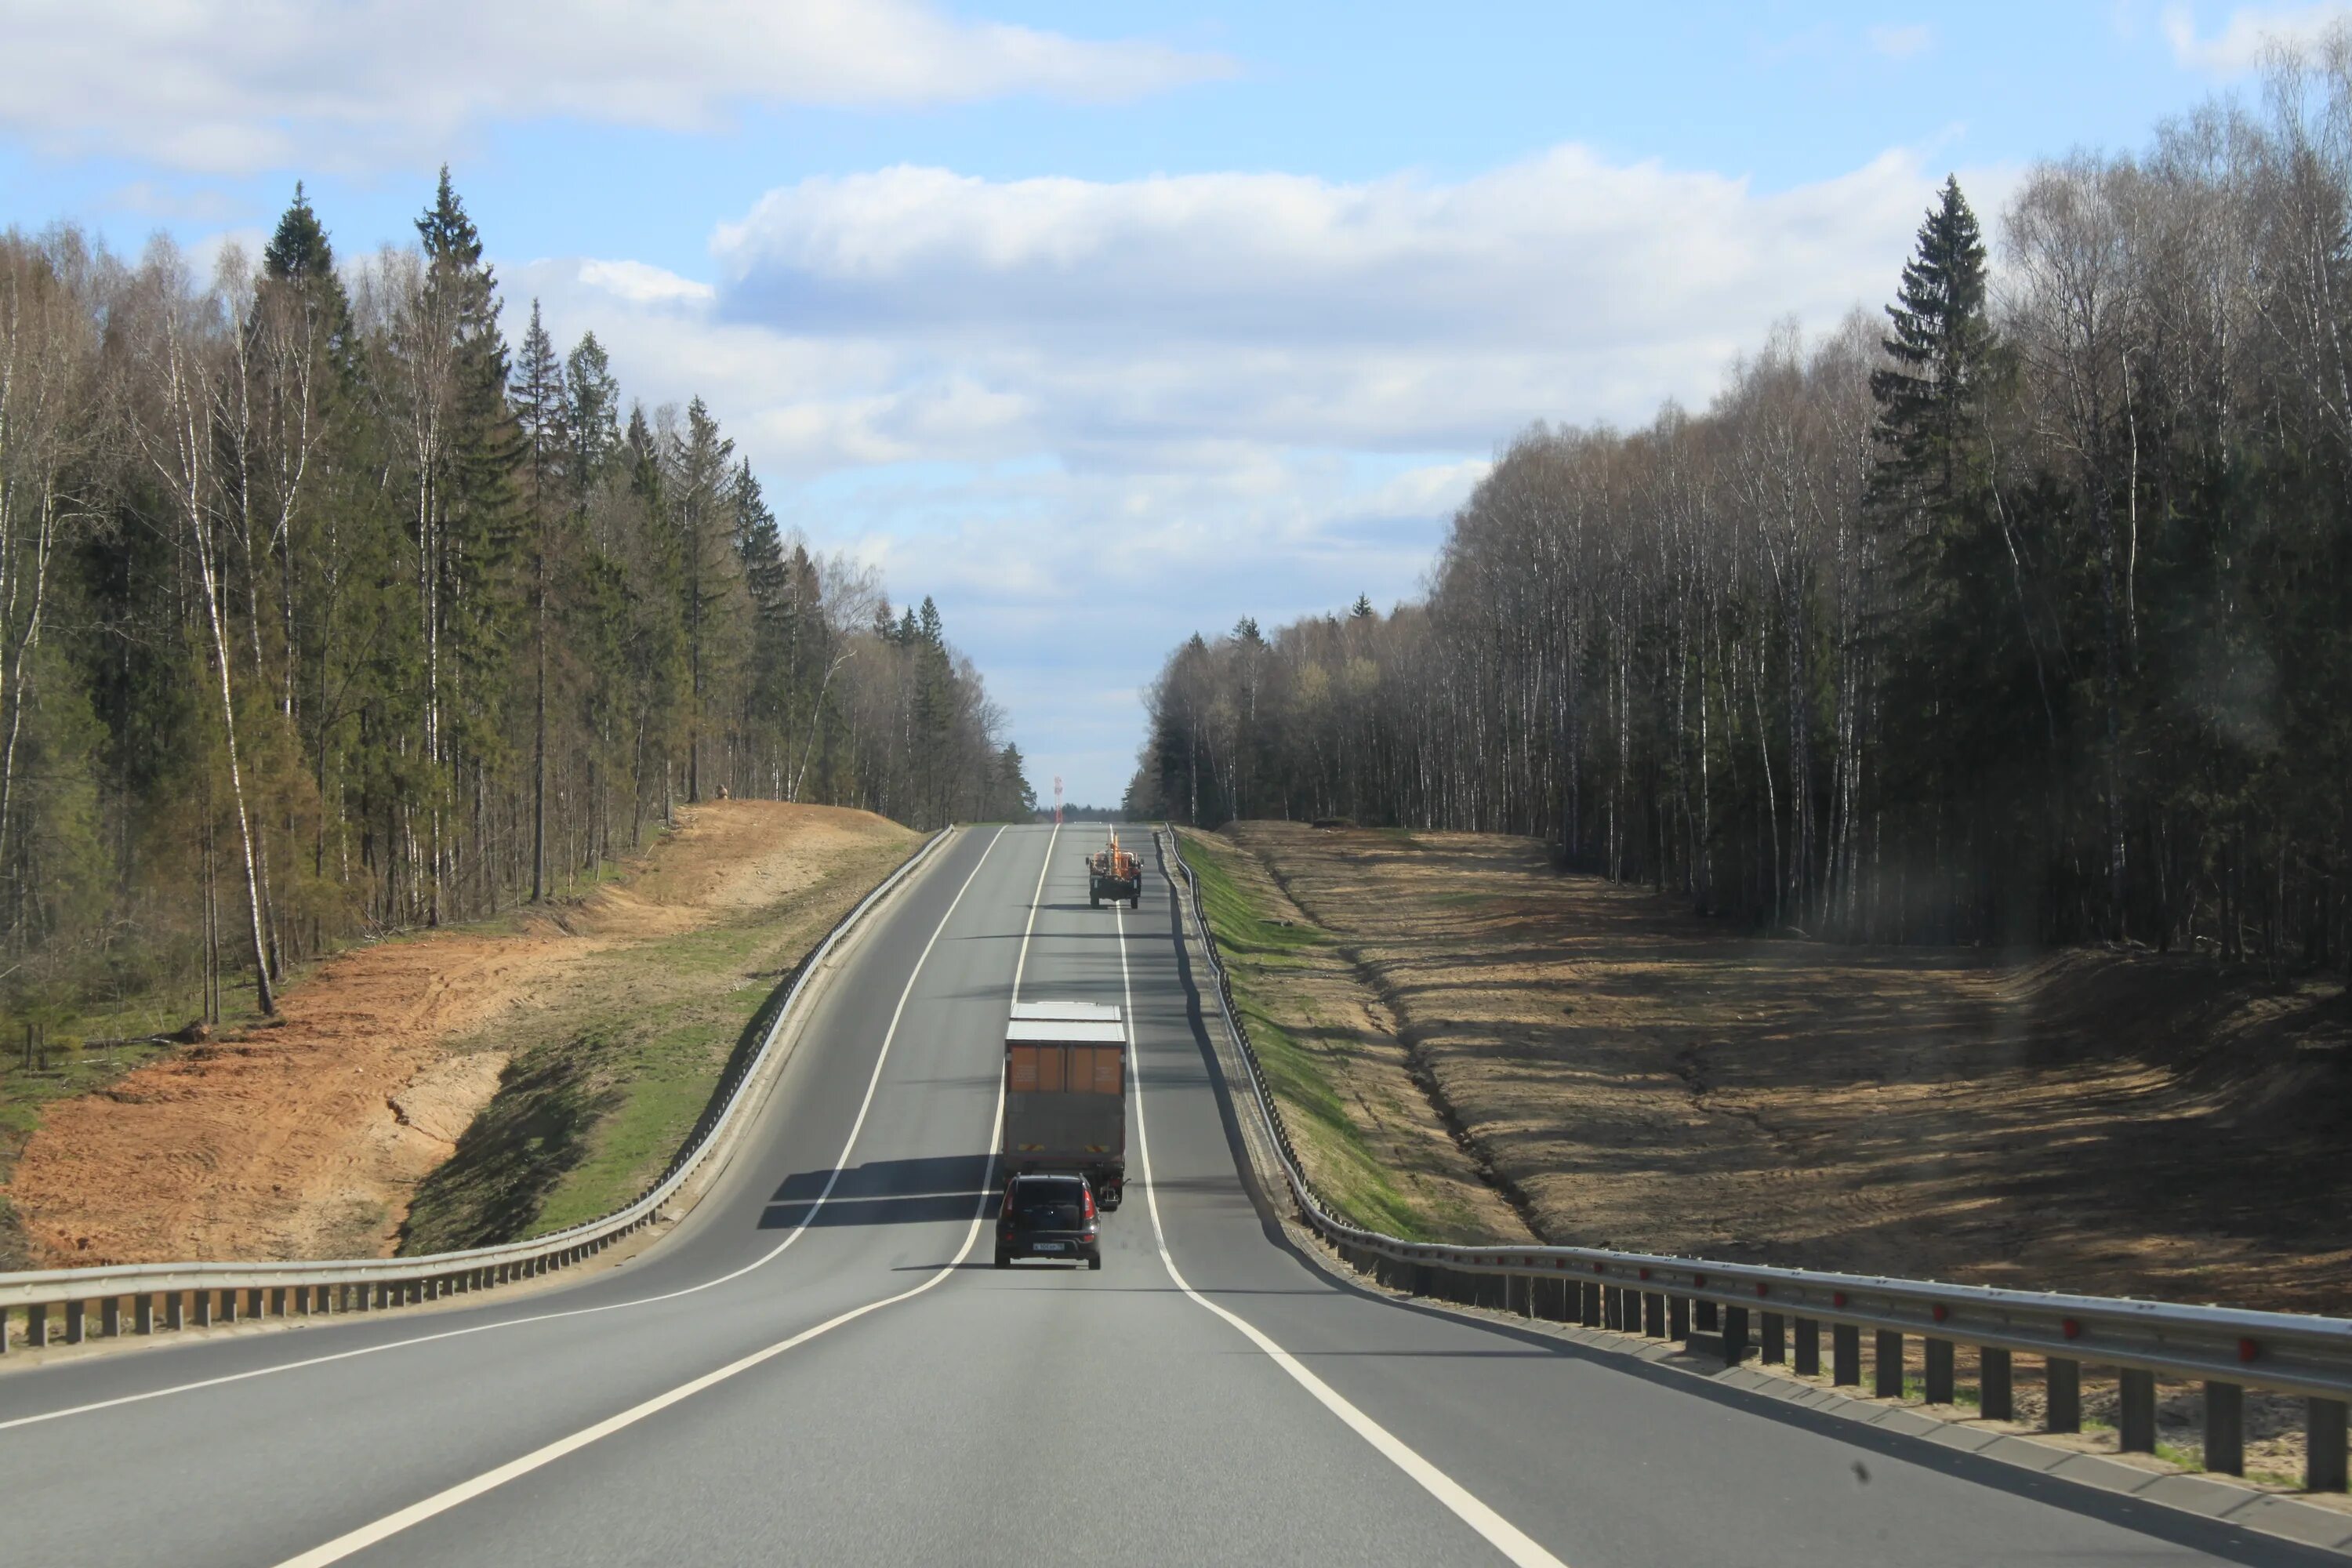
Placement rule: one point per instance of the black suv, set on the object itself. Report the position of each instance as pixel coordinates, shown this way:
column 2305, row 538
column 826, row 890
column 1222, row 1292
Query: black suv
column 1047, row 1216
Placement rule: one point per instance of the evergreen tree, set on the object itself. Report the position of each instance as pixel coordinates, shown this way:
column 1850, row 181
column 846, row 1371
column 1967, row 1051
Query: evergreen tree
column 1931, row 399
column 541, row 408
column 591, row 418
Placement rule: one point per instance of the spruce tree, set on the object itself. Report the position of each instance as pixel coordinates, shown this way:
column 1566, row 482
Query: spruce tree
column 1969, row 707
column 1944, row 352
column 299, row 249
column 539, row 408
column 591, row 420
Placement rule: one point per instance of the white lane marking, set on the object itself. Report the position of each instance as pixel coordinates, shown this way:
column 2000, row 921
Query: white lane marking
column 1022, row 963
column 440, row 1503
column 795, row 1235
column 1499, row 1532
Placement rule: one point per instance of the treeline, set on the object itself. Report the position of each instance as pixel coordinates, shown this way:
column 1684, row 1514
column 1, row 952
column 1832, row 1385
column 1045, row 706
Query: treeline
column 324, row 610
column 2024, row 616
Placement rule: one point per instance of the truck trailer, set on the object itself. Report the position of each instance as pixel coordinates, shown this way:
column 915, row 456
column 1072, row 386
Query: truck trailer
column 1115, row 874
column 1065, row 1094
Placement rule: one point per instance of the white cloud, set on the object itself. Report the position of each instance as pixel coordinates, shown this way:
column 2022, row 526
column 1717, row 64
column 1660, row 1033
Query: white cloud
column 2250, row 32
column 1395, row 313
column 1092, row 418
column 1902, row 43
column 641, row 284
column 236, row 86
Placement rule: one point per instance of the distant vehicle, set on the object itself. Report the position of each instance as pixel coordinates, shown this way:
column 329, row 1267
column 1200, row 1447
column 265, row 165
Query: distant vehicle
column 1047, row 1216
column 1113, row 873
column 1065, row 1094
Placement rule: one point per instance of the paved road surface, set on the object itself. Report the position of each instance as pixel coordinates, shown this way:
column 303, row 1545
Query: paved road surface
column 819, row 1366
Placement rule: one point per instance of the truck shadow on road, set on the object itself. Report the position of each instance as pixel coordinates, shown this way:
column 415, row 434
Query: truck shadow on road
column 884, row 1192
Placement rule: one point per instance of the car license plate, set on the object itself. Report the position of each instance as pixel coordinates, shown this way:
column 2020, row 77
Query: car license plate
column 1048, row 1246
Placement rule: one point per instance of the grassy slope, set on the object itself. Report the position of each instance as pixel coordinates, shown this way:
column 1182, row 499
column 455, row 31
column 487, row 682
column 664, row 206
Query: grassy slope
column 599, row 1093
column 1266, row 960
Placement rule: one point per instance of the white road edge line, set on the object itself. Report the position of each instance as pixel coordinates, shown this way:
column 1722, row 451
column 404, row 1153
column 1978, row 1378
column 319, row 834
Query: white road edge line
column 795, row 1235
column 1020, row 964
column 442, row 1501
column 1499, row 1532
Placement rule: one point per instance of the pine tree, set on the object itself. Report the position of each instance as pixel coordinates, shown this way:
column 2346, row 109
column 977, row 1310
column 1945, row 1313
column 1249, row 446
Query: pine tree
column 540, row 410
column 591, row 418
column 1944, row 352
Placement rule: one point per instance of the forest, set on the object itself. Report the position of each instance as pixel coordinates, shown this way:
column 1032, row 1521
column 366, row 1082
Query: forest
column 2019, row 614
column 327, row 612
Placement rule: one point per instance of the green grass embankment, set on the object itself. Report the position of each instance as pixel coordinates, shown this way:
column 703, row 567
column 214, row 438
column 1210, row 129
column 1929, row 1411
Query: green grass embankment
column 1290, row 982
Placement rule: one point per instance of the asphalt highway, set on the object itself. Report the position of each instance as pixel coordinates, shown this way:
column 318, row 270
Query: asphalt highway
column 820, row 1366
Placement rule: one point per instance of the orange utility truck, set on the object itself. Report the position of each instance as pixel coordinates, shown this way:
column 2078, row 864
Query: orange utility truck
column 1112, row 873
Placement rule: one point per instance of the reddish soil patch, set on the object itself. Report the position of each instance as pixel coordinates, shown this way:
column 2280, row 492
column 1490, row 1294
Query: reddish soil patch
column 2113, row 1123
column 305, row 1138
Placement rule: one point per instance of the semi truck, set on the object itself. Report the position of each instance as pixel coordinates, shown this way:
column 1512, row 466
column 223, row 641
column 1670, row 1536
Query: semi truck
column 1115, row 874
column 1065, row 1094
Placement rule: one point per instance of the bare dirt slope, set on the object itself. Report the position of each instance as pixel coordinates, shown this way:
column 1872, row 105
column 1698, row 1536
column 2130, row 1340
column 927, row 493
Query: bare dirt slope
column 2119, row 1123
column 306, row 1138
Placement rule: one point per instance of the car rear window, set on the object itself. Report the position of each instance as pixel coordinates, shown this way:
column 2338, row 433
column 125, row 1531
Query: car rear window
column 1049, row 1205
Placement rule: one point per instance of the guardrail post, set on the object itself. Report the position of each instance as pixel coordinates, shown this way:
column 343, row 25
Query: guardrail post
column 1653, row 1314
column 1996, row 1398
column 1678, row 1316
column 1613, row 1307
column 175, row 1311
column 4, row 1331
column 1589, row 1318
column 203, row 1301
column 253, row 1303
column 1776, row 1340
column 1939, row 1373
column 109, row 1317
column 142, row 1313
column 1710, row 1317
column 1887, row 1364
column 2225, row 1428
column 1845, row 1355
column 73, row 1322
column 1735, row 1335
column 2062, row 1381
column 1809, row 1347
column 2136, row 1421
column 2324, row 1447
column 36, row 1325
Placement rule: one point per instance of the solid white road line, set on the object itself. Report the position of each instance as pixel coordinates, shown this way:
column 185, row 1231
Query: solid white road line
column 1499, row 1532
column 764, row 1259
column 416, row 1513
column 1020, row 964
column 441, row 1503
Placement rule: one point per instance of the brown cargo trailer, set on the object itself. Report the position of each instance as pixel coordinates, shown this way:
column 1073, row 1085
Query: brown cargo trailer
column 1065, row 1093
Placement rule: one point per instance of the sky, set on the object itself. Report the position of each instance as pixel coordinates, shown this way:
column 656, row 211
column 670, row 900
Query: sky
column 1105, row 324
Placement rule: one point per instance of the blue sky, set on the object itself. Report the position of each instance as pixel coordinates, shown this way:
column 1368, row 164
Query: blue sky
column 1104, row 323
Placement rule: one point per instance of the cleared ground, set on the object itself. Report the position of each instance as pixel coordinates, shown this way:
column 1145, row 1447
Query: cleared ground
column 2110, row 1122
column 1367, row 1131
column 310, row 1137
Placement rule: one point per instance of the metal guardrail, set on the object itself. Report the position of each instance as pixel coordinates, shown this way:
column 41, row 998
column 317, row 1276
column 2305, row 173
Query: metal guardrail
column 1709, row 1305
column 368, row 1284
